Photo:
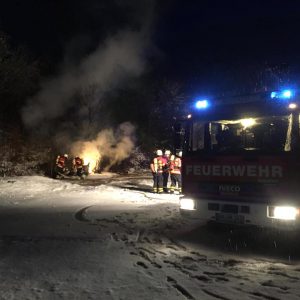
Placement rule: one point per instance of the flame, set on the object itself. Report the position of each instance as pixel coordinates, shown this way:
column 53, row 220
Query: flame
column 91, row 156
column 116, row 146
column 91, row 162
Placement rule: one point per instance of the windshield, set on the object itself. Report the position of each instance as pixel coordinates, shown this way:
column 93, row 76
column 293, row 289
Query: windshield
column 254, row 134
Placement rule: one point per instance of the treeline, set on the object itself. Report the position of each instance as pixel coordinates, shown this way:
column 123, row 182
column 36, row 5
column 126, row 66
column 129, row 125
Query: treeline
column 151, row 103
column 19, row 79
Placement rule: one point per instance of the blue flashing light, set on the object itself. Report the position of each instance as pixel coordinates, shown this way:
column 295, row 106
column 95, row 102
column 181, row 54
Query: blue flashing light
column 287, row 94
column 283, row 94
column 201, row 104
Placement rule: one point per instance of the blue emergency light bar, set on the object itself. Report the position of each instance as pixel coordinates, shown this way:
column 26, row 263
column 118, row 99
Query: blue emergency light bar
column 283, row 95
column 202, row 104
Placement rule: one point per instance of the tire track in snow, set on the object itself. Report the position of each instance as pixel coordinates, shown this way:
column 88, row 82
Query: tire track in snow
column 270, row 284
column 142, row 264
column 181, row 258
column 280, row 273
column 268, row 297
column 214, row 295
column 80, row 215
column 144, row 255
column 180, row 288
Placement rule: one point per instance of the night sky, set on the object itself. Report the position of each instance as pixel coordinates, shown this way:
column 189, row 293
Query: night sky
column 195, row 40
column 237, row 31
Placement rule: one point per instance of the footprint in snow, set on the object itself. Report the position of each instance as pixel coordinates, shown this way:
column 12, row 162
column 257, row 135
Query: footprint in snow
column 141, row 264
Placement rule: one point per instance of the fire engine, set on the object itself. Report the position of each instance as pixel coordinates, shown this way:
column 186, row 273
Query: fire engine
column 241, row 161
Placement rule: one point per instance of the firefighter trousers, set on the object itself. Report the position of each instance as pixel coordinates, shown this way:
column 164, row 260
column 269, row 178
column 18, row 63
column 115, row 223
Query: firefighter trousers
column 176, row 183
column 165, row 181
column 157, row 182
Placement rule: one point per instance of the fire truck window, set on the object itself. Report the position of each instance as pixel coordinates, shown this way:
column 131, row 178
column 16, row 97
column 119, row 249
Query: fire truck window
column 198, row 136
column 227, row 137
column 265, row 134
column 179, row 136
column 214, row 129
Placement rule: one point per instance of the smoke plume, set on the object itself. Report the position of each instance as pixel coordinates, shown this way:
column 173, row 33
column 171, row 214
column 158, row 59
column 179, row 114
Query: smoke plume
column 73, row 102
column 115, row 146
column 118, row 58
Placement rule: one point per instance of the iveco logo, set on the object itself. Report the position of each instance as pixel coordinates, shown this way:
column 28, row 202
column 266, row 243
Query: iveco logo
column 229, row 188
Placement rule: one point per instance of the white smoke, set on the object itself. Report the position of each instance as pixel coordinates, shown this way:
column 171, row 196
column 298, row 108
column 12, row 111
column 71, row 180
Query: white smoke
column 114, row 145
column 118, row 58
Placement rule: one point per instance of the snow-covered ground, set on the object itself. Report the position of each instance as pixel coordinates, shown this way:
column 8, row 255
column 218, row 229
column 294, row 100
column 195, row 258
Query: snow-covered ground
column 108, row 237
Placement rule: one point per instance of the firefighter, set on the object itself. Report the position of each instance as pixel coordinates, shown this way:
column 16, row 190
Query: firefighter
column 78, row 166
column 157, row 170
column 61, row 164
column 166, row 170
column 175, row 171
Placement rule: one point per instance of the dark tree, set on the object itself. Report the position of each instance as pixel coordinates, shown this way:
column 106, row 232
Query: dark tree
column 19, row 79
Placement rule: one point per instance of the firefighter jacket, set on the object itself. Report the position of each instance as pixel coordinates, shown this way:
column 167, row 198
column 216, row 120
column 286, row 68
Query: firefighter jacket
column 61, row 161
column 78, row 162
column 166, row 164
column 175, row 165
column 158, row 164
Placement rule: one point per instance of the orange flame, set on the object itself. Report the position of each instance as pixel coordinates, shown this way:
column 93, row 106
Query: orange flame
column 91, row 156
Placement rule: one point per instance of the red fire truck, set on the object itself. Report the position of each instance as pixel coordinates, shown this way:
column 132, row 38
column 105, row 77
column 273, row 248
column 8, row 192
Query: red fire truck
column 241, row 161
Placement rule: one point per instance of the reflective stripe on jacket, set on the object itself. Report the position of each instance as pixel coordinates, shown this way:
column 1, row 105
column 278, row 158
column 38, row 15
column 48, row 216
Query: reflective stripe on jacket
column 158, row 163
column 175, row 167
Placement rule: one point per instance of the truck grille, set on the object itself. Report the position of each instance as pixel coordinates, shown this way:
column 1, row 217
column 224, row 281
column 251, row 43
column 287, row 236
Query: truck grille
column 214, row 206
column 229, row 208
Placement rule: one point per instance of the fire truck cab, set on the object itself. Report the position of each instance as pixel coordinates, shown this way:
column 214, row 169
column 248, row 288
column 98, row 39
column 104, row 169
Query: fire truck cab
column 241, row 162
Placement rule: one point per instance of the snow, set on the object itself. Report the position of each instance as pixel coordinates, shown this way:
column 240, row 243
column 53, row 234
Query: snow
column 108, row 237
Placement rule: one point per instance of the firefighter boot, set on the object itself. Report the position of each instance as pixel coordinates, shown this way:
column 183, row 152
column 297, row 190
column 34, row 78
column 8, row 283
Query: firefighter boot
column 160, row 190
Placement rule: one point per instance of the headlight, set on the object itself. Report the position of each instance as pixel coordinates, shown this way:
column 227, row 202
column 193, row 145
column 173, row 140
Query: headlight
column 188, row 204
column 285, row 212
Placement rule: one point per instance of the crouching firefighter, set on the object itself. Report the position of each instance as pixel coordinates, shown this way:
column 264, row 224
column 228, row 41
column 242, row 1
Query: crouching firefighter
column 61, row 165
column 175, row 171
column 78, row 166
column 157, row 172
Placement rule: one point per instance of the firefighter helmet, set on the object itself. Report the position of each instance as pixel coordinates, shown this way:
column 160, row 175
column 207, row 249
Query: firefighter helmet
column 66, row 155
column 167, row 152
column 159, row 152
